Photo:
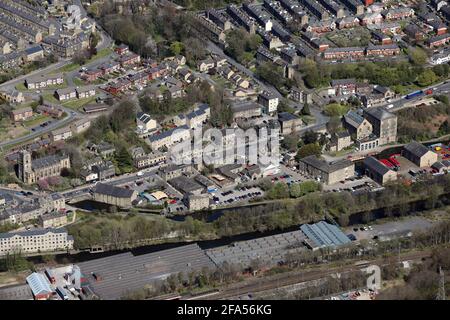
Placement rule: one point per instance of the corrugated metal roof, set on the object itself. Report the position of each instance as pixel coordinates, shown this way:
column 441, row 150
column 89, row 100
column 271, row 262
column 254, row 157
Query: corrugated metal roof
column 323, row 234
column 39, row 284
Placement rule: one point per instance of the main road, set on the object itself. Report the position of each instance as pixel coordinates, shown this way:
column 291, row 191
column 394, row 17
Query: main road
column 119, row 180
column 54, row 125
column 320, row 119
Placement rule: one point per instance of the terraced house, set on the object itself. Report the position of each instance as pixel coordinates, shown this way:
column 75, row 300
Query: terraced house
column 44, row 81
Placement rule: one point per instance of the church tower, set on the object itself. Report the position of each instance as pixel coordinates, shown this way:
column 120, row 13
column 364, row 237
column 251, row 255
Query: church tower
column 25, row 171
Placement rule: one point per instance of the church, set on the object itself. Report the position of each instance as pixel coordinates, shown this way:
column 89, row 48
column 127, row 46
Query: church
column 30, row 171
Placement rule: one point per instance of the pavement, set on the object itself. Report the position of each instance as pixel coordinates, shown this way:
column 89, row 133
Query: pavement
column 386, row 228
column 120, row 180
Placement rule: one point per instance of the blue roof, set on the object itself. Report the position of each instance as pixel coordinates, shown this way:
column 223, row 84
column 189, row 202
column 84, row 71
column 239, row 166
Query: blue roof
column 324, row 234
column 39, row 283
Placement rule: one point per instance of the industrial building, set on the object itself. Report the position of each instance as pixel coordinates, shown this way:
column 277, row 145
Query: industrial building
column 269, row 250
column 116, row 276
column 113, row 195
column 378, row 172
column 322, row 235
column 327, row 173
column 420, row 155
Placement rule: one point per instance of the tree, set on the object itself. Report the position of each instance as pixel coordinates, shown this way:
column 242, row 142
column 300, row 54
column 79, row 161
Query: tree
column 80, row 58
column 305, row 110
column 290, row 142
column 94, row 39
column 417, row 56
column 271, row 73
column 310, row 137
column 335, row 110
column 123, row 116
column 426, row 78
column 176, row 47
column 278, row 191
column 442, row 98
column 308, row 150
column 300, row 189
column 334, row 125
column 123, row 157
column 444, row 128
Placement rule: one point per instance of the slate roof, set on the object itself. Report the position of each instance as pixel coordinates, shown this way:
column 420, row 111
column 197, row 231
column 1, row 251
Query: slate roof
column 113, row 191
column 46, row 161
column 354, row 119
column 380, row 113
column 376, row 166
column 322, row 165
column 416, row 149
column 286, row 116
column 29, row 233
column 167, row 133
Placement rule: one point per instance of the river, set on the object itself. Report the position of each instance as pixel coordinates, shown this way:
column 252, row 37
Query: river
column 416, row 207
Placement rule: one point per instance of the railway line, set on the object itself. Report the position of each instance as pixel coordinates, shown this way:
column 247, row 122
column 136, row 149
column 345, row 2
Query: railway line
column 288, row 279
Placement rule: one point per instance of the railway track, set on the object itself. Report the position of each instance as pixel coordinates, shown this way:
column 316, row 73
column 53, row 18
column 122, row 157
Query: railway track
column 284, row 280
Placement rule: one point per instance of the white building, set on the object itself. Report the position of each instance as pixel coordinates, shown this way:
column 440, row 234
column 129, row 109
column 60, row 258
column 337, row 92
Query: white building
column 145, row 122
column 38, row 240
column 440, row 58
column 269, row 101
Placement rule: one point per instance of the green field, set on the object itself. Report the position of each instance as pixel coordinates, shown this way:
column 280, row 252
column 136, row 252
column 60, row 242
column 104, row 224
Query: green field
column 21, row 87
column 49, row 97
column 36, row 120
column 78, row 103
column 74, row 66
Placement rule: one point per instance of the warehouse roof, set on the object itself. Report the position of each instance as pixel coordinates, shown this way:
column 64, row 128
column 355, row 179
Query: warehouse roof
column 416, row 149
column 376, row 166
column 185, row 184
column 113, row 191
column 16, row 292
column 322, row 165
column 125, row 273
column 38, row 284
column 380, row 113
column 323, row 234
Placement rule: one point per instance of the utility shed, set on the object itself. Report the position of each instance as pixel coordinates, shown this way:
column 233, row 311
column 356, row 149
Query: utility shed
column 323, row 234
